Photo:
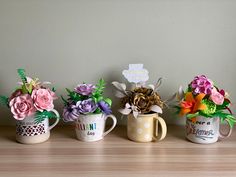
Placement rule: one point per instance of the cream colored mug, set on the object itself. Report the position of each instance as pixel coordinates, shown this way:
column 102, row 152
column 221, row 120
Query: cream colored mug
column 145, row 127
column 29, row 132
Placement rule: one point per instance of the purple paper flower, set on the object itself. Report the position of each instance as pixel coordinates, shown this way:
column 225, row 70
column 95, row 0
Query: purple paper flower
column 70, row 113
column 84, row 89
column 104, row 107
column 201, row 84
column 86, row 106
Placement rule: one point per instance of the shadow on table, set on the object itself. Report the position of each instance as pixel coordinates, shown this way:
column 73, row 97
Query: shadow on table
column 8, row 133
column 120, row 131
column 176, row 131
column 65, row 131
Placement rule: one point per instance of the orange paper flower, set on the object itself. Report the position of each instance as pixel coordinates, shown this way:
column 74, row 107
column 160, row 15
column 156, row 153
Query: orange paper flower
column 192, row 104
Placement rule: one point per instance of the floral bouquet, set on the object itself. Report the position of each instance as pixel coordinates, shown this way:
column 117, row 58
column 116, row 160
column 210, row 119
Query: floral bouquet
column 140, row 100
column 31, row 98
column 203, row 98
column 141, row 104
column 86, row 99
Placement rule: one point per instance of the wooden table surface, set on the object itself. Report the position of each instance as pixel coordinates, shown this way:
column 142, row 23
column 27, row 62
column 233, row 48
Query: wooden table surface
column 63, row 155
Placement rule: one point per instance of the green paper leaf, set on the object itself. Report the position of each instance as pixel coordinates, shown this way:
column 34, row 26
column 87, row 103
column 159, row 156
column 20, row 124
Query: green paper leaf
column 100, row 87
column 205, row 115
column 97, row 94
column 226, row 116
column 41, row 116
column 64, row 100
column 223, row 106
column 190, row 116
column 97, row 111
column 21, row 73
column 54, row 89
column 4, row 101
column 30, row 88
column 24, row 89
column 108, row 101
column 74, row 96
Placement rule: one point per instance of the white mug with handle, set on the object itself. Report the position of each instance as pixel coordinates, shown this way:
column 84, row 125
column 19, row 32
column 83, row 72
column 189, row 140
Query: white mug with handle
column 91, row 127
column 29, row 132
column 205, row 130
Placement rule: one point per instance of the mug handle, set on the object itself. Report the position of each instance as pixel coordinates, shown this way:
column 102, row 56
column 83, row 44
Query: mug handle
column 57, row 119
column 113, row 125
column 163, row 129
column 223, row 136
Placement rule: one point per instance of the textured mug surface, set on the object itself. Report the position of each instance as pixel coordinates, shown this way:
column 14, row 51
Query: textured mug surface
column 204, row 130
column 29, row 132
column 91, row 127
column 144, row 128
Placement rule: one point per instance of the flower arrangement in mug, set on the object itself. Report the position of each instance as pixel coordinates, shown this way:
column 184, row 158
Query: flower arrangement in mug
column 86, row 99
column 31, row 98
column 139, row 100
column 203, row 98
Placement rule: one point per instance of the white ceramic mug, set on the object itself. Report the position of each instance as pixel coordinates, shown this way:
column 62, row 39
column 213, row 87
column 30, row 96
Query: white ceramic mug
column 145, row 127
column 91, row 127
column 205, row 130
column 29, row 132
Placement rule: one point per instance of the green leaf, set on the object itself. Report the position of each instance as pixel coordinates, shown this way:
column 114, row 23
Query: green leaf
column 64, row 100
column 223, row 106
column 190, row 116
column 69, row 91
column 54, row 89
column 97, row 94
column 177, row 109
column 108, row 101
column 97, row 111
column 100, row 87
column 30, row 88
column 226, row 116
column 4, row 101
column 24, row 89
column 73, row 95
column 231, row 124
column 231, row 119
column 41, row 116
column 21, row 73
column 205, row 115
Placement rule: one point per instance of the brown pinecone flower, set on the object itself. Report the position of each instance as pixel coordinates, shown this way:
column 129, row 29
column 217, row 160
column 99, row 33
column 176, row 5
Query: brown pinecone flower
column 143, row 98
column 155, row 99
column 141, row 101
column 143, row 90
column 125, row 100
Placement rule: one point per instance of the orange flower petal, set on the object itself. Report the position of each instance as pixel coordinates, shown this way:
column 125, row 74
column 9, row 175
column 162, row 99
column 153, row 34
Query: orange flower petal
column 198, row 105
column 184, row 111
column 202, row 107
column 194, row 119
column 199, row 97
column 189, row 97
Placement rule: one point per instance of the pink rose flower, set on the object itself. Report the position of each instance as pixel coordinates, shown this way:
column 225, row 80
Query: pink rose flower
column 22, row 106
column 217, row 97
column 43, row 99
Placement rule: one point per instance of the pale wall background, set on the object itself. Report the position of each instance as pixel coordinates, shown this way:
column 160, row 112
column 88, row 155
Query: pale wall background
column 71, row 41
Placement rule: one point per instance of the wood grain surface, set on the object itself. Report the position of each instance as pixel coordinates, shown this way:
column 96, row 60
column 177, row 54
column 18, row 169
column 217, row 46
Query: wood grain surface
column 64, row 155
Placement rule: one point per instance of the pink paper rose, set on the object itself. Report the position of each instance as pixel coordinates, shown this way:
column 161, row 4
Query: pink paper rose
column 217, row 97
column 43, row 99
column 22, row 106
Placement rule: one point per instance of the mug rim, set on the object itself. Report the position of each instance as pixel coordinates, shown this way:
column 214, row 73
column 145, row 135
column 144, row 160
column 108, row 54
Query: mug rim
column 203, row 117
column 92, row 115
column 144, row 115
